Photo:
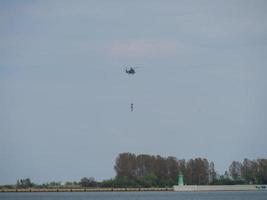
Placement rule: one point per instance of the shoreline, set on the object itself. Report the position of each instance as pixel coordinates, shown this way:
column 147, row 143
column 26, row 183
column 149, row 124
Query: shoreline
column 87, row 190
column 176, row 188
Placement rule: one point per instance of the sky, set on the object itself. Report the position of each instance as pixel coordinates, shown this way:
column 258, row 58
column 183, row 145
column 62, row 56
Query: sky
column 199, row 89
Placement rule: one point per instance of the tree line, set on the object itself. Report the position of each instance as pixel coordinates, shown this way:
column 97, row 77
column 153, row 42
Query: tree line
column 156, row 171
column 152, row 171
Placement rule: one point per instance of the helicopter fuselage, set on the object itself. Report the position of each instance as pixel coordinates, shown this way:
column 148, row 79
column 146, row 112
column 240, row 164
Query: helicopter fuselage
column 130, row 71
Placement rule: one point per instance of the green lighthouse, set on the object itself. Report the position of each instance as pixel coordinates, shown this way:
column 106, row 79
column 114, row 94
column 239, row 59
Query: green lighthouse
column 180, row 179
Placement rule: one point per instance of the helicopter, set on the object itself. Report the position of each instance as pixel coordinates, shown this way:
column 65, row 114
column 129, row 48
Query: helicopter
column 130, row 70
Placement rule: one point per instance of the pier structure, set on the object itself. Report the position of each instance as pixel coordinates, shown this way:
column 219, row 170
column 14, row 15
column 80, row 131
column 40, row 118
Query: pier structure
column 197, row 188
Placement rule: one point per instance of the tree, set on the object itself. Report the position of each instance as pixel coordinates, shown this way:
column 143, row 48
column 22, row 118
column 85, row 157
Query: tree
column 126, row 166
column 235, row 170
column 147, row 170
column 24, row 183
column 262, row 171
column 249, row 170
column 212, row 172
column 150, row 179
column 197, row 171
column 88, row 182
column 172, row 168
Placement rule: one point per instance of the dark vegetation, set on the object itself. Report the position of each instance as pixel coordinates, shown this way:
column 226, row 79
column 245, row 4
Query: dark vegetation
column 156, row 171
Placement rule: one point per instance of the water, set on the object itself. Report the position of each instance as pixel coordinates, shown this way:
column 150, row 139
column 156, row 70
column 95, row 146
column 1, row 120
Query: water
column 258, row 195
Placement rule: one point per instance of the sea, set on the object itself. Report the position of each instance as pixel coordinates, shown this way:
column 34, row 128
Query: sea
column 245, row 195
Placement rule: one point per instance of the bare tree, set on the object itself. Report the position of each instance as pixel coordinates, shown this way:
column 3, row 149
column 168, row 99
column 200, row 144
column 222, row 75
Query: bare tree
column 235, row 170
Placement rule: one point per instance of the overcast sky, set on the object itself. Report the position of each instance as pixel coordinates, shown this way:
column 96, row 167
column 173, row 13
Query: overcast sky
column 199, row 91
